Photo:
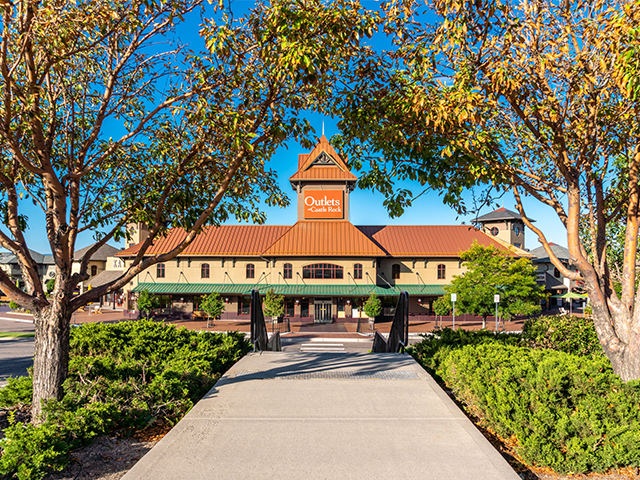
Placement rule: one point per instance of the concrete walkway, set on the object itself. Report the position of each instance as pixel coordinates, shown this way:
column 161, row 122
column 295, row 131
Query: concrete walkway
column 324, row 416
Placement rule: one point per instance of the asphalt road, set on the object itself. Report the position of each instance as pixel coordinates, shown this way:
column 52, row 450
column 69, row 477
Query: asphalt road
column 16, row 355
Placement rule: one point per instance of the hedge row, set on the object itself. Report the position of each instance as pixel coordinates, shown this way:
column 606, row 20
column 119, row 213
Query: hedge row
column 122, row 377
column 566, row 411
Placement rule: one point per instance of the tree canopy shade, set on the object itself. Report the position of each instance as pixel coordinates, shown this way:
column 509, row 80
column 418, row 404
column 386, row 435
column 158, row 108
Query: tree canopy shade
column 491, row 272
column 537, row 98
column 196, row 129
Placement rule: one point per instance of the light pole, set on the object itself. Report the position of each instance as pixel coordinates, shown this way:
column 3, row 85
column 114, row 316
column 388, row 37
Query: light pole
column 496, row 299
column 453, row 300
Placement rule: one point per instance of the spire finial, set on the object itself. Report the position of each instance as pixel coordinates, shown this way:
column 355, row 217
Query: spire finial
column 323, row 128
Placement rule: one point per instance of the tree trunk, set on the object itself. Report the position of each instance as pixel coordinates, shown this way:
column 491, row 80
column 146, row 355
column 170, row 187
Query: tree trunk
column 51, row 356
column 484, row 322
column 621, row 344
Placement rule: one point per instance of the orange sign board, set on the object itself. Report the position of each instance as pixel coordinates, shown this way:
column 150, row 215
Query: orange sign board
column 323, row 204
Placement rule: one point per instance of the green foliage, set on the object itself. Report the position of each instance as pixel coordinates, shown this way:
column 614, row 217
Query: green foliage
column 146, row 301
column 442, row 306
column 566, row 409
column 490, row 272
column 433, row 348
column 122, row 376
column 373, row 306
column 13, row 305
column 567, row 412
column 212, row 305
column 18, row 391
column 565, row 333
column 273, row 305
column 30, row 452
column 50, row 285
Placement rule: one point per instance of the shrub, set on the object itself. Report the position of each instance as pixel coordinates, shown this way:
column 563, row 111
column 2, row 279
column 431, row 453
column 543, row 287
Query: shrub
column 567, row 412
column 433, row 348
column 569, row 334
column 122, row 377
column 18, row 391
column 13, row 305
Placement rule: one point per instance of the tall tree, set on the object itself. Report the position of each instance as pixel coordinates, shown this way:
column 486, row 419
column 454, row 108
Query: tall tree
column 534, row 97
column 491, row 272
column 101, row 126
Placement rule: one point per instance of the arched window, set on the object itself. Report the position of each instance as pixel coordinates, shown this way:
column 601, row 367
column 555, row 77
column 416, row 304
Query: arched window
column 160, row 270
column 395, row 271
column 251, row 270
column 322, row 270
column 287, row 270
column 94, row 270
column 204, row 270
column 442, row 271
column 357, row 271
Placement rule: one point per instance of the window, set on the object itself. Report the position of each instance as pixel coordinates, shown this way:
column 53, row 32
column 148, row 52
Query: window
column 357, row 271
column 204, row 270
column 287, row 270
column 395, row 271
column 244, row 306
column 289, row 309
column 556, row 272
column 304, row 308
column 494, row 231
column 94, row 270
column 442, row 271
column 322, row 270
column 251, row 270
column 517, row 245
column 160, row 271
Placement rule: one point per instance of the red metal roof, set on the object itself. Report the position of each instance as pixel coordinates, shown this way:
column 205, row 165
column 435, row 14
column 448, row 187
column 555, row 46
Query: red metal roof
column 308, row 171
column 249, row 240
column 317, row 238
column 427, row 240
column 330, row 239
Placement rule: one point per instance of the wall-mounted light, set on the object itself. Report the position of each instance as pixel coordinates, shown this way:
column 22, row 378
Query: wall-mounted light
column 419, row 300
column 348, row 302
column 226, row 299
column 297, row 302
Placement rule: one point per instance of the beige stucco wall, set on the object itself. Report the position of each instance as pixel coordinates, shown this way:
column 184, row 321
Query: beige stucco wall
column 420, row 271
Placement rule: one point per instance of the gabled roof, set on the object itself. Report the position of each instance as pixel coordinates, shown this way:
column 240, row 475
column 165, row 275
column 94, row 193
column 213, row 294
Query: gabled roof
column 323, row 163
column 9, row 257
column 101, row 254
column 499, row 214
column 427, row 240
column 103, row 278
column 542, row 257
column 250, row 240
column 317, row 238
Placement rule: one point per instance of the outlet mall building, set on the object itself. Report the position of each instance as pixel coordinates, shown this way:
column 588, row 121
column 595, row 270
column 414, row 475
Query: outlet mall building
column 324, row 266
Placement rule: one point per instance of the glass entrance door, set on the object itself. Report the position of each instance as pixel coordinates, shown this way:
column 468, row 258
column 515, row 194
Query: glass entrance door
column 322, row 311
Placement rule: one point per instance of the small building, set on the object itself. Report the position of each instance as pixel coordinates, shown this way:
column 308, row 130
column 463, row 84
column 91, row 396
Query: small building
column 325, row 266
column 549, row 276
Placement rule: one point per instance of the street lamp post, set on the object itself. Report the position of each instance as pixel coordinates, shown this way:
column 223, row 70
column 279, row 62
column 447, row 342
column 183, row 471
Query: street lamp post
column 496, row 299
column 453, row 300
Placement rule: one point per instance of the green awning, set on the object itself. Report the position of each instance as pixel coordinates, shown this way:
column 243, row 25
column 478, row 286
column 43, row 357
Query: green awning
column 289, row 290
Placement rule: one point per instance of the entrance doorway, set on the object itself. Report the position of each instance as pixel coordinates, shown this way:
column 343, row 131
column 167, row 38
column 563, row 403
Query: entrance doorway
column 323, row 310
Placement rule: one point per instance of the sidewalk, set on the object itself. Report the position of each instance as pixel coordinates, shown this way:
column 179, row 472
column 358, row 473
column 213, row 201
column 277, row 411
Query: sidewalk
column 322, row 416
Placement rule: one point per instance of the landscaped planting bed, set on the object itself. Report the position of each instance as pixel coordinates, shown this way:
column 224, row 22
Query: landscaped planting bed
column 123, row 378
column 561, row 410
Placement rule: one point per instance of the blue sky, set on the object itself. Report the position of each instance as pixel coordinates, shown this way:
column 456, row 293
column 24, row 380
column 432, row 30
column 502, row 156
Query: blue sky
column 366, row 206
